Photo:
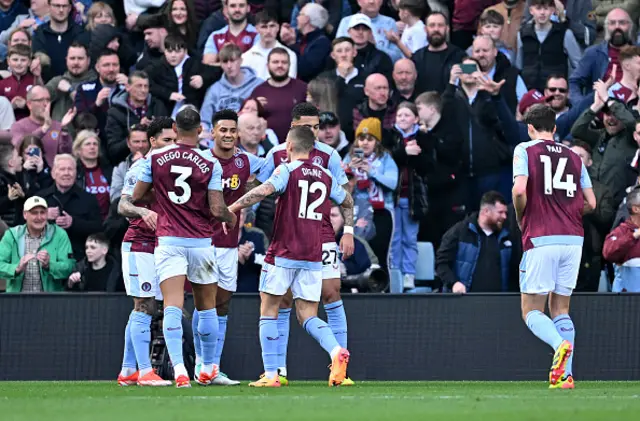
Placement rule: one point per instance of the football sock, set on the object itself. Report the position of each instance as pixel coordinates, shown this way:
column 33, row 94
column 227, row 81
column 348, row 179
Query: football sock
column 269, row 342
column 196, row 338
column 337, row 320
column 283, row 332
column 129, row 357
column 320, row 331
column 141, row 337
column 543, row 328
column 222, row 332
column 208, row 332
column 172, row 330
column 567, row 331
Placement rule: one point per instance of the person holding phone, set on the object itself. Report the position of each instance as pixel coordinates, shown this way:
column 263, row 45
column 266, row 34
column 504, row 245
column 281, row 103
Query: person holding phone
column 35, row 174
column 11, row 192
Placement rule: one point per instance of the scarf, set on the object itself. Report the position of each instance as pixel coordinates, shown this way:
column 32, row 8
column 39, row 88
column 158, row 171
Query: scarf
column 376, row 195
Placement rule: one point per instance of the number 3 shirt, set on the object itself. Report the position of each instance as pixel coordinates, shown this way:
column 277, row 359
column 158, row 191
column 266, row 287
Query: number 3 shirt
column 182, row 176
column 303, row 187
column 553, row 214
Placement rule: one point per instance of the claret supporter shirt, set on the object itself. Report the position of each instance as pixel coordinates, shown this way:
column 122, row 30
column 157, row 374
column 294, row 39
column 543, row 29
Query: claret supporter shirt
column 96, row 183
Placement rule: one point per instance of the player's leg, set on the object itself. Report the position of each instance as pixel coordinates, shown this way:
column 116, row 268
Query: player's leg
column 128, row 373
column 307, row 289
column 203, row 275
column 284, row 324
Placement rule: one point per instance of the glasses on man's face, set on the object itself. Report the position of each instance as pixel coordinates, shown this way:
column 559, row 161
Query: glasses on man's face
column 561, row 90
column 60, row 6
column 39, row 100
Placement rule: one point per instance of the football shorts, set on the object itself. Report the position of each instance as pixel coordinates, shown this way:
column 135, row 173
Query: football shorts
column 139, row 273
column 305, row 284
column 197, row 263
column 552, row 268
column 330, row 262
column 227, row 262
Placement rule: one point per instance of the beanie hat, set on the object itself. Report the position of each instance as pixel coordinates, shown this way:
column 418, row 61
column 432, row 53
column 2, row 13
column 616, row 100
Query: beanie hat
column 532, row 97
column 370, row 126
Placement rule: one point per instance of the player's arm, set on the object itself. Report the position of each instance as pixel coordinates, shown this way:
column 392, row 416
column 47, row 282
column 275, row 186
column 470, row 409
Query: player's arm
column 254, row 196
column 520, row 178
column 219, row 209
column 587, row 191
column 127, row 209
column 344, row 199
column 144, row 183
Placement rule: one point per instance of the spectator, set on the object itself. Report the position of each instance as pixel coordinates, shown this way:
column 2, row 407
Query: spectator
column 434, row 62
column 36, row 256
column 62, row 88
column 578, row 15
column 377, row 178
column 7, row 117
column 252, row 249
column 37, row 14
column 35, row 174
column 15, row 87
column 376, row 103
column 404, row 80
column 323, row 95
column 443, row 139
column 55, row 36
column 309, row 41
column 331, row 134
column 17, row 36
column 238, row 32
column 267, row 136
column 107, row 36
column 369, row 58
column 491, row 25
column 100, row 13
column 252, row 136
column 414, row 35
column 54, row 134
column 133, row 106
column 512, row 12
column 98, row 271
column 497, row 67
column 359, row 263
column 625, row 89
column 256, row 57
column 182, row 19
column 138, row 145
column 10, row 11
column 154, row 28
column 475, row 254
column 179, row 79
column 70, row 207
column 134, row 8
column 411, row 205
column 557, row 93
column 211, row 23
column 93, row 173
column 338, row 8
column 380, row 26
column 545, row 47
column 12, row 194
column 465, row 20
column 613, row 146
column 596, row 226
column 280, row 93
column 485, row 149
column 232, row 89
column 95, row 96
column 599, row 60
column 206, row 8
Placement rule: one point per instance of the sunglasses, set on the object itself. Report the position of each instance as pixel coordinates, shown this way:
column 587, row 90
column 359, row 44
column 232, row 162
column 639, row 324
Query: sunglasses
column 561, row 90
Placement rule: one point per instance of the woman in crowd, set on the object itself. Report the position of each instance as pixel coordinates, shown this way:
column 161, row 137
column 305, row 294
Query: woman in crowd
column 322, row 93
column 182, row 20
column 35, row 174
column 253, row 106
column 94, row 174
column 376, row 180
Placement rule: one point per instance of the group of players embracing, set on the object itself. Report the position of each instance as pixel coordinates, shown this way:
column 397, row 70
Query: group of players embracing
column 184, row 204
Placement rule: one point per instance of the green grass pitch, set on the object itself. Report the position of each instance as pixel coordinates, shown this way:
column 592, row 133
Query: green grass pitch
column 394, row 401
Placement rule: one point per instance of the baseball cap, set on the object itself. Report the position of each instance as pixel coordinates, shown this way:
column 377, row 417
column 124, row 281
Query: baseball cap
column 532, row 97
column 34, row 202
column 360, row 19
column 327, row 118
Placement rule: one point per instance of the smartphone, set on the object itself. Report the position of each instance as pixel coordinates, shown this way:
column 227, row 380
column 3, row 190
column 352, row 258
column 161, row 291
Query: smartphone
column 34, row 152
column 358, row 153
column 469, row 68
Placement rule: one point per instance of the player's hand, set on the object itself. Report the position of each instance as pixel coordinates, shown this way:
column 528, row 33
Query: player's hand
column 43, row 258
column 151, row 219
column 23, row 262
column 346, row 246
column 244, row 252
column 53, row 213
column 459, row 288
column 65, row 220
column 196, row 82
column 234, row 220
column 412, row 148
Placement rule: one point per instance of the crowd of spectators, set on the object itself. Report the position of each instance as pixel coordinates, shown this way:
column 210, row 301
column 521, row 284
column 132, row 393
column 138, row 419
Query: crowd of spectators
column 423, row 99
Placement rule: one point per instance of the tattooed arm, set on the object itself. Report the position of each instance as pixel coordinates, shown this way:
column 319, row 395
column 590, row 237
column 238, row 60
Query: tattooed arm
column 127, row 209
column 219, row 209
column 254, row 196
column 347, row 245
column 253, row 183
column 347, row 210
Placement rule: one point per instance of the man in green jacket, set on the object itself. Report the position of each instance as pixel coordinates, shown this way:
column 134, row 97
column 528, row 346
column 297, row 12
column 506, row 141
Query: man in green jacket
column 37, row 256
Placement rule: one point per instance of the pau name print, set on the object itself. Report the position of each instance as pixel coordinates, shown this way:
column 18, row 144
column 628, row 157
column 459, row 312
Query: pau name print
column 190, row 156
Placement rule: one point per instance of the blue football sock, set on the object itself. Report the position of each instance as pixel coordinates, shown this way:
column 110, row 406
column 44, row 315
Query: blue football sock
column 283, row 332
column 196, row 338
column 141, row 337
column 269, row 342
column 337, row 320
column 172, row 330
column 129, row 357
column 543, row 328
column 565, row 328
column 208, row 332
column 222, row 332
column 320, row 331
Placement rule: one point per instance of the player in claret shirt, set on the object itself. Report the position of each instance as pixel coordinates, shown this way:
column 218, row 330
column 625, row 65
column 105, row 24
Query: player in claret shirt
column 188, row 191
column 237, row 168
column 549, row 205
column 138, row 268
column 294, row 258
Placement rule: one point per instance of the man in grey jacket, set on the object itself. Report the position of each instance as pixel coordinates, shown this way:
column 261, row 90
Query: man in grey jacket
column 138, row 145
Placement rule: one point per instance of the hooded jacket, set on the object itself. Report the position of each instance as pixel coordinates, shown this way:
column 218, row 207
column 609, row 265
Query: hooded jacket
column 102, row 35
column 55, row 44
column 120, row 118
column 223, row 94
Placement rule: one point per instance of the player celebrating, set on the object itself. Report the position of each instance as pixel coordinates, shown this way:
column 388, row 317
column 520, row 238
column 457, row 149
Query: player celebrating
column 549, row 206
column 303, row 186
column 305, row 114
column 188, row 190
column 138, row 269
column 237, row 167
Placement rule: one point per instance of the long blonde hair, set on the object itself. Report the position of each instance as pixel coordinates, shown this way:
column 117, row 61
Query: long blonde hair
column 95, row 10
column 324, row 95
column 82, row 137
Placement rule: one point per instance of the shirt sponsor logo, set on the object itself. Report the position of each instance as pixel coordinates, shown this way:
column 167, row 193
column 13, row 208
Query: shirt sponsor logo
column 232, row 182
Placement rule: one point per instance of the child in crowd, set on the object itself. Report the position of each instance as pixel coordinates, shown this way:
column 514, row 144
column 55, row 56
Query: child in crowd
column 491, row 24
column 414, row 36
column 98, row 271
column 16, row 86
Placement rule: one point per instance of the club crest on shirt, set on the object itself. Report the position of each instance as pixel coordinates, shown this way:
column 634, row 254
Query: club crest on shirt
column 317, row 160
column 239, row 162
column 132, row 180
column 246, row 40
